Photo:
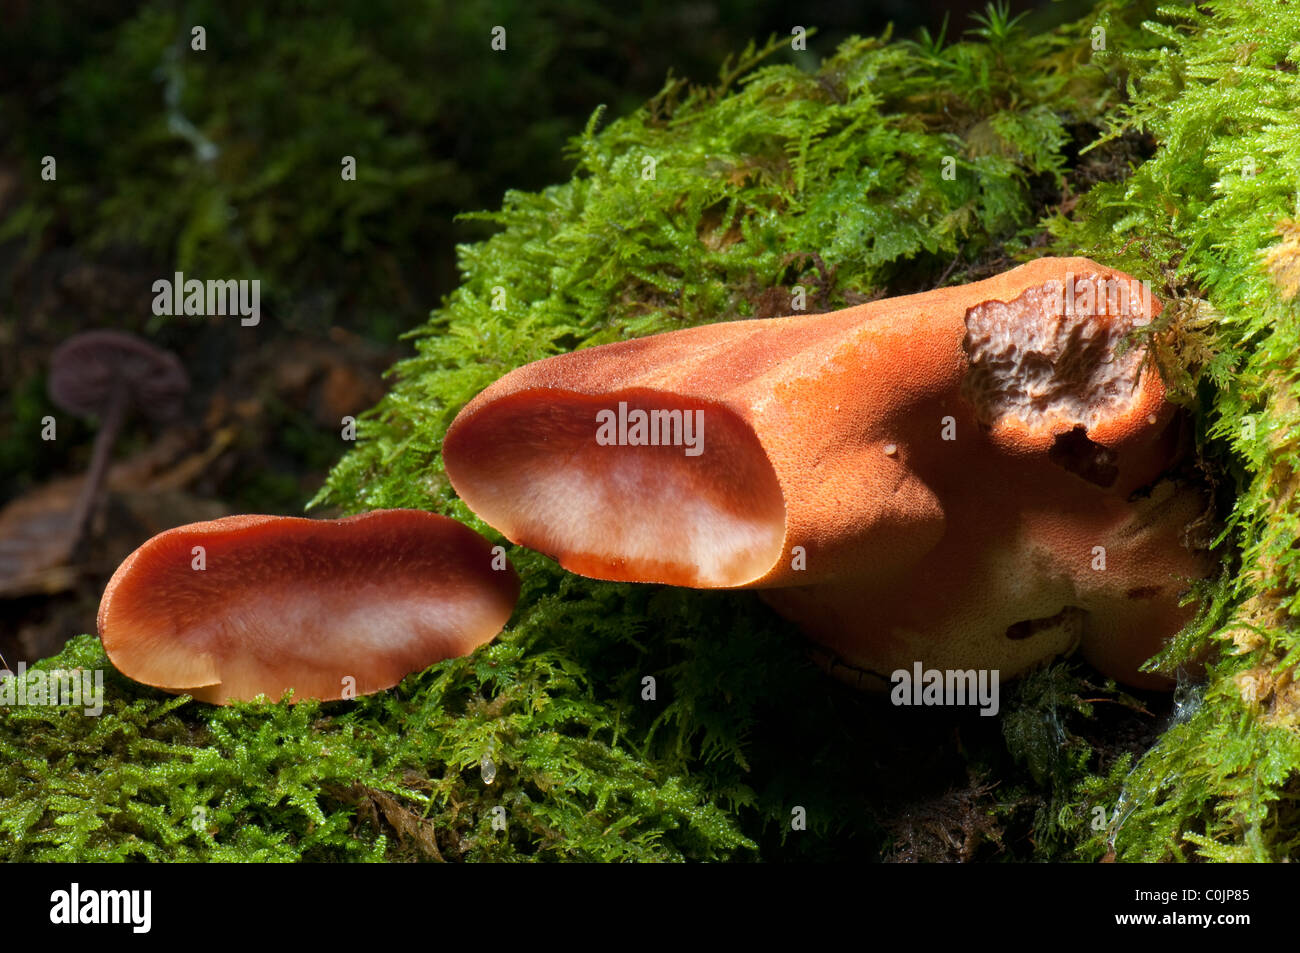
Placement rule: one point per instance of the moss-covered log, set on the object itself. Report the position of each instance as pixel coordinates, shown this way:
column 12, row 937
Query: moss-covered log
column 1166, row 147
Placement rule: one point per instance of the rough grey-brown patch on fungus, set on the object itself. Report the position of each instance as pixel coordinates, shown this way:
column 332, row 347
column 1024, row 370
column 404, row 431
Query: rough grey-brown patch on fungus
column 1035, row 362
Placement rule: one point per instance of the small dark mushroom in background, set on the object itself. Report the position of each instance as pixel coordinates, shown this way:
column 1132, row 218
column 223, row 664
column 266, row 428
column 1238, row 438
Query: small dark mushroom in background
column 106, row 374
column 328, row 608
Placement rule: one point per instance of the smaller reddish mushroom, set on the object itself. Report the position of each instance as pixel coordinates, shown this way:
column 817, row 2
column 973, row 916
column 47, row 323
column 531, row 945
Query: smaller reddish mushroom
column 256, row 605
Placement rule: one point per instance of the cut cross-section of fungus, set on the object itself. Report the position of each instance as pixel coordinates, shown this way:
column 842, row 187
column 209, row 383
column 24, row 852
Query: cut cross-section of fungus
column 256, row 605
column 924, row 478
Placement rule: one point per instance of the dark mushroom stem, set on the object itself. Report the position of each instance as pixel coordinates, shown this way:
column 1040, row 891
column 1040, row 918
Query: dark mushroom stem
column 110, row 426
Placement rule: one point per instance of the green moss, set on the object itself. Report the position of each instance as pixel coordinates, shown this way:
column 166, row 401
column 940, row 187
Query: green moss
column 159, row 778
column 1210, row 218
column 700, row 206
column 832, row 179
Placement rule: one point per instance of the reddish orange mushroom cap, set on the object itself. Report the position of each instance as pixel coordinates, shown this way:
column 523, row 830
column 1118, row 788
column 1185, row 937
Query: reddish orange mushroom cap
column 909, row 479
column 328, row 608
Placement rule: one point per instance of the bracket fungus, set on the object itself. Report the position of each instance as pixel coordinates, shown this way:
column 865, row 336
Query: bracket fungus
column 256, row 605
column 975, row 476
